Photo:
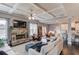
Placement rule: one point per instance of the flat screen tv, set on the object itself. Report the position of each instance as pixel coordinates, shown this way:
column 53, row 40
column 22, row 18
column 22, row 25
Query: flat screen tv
column 19, row 24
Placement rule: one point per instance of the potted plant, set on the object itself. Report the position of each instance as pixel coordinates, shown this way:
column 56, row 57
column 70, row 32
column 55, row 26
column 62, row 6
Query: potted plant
column 1, row 43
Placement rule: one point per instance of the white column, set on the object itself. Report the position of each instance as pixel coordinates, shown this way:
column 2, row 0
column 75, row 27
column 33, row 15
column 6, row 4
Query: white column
column 69, row 31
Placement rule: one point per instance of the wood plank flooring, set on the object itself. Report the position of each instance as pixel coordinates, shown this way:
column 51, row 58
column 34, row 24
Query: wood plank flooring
column 70, row 49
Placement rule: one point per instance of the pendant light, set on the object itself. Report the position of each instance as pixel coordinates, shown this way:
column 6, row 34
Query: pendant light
column 31, row 17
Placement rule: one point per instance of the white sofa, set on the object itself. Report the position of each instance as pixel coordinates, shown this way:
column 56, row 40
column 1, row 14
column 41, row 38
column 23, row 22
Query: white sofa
column 52, row 48
column 7, row 49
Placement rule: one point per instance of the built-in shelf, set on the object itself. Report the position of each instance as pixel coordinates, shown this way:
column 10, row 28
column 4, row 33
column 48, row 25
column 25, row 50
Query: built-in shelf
column 19, row 32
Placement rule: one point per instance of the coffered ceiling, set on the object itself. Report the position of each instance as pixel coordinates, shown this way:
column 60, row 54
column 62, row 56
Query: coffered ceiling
column 48, row 13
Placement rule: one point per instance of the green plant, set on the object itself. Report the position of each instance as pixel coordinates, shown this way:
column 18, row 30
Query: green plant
column 1, row 43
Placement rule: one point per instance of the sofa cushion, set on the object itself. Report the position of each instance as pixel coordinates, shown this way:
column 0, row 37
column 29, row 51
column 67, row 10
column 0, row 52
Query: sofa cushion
column 46, row 48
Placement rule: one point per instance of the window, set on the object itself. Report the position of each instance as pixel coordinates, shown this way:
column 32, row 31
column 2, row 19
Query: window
column 44, row 31
column 3, row 29
column 33, row 29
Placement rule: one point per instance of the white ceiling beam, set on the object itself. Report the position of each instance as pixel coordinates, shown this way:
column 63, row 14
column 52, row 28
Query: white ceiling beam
column 49, row 12
column 6, row 5
column 54, row 9
column 51, row 22
column 11, row 8
column 42, row 9
column 14, row 8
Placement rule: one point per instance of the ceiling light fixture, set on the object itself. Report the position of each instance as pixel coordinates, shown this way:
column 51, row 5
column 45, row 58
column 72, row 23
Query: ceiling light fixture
column 31, row 17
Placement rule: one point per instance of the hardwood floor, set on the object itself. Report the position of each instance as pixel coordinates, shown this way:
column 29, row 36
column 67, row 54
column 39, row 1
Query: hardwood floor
column 70, row 49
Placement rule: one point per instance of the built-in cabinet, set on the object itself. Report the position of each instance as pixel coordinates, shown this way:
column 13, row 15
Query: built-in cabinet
column 40, row 30
column 18, row 32
column 21, row 31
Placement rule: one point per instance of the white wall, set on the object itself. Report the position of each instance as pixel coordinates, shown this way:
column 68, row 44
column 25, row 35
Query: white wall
column 53, row 27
